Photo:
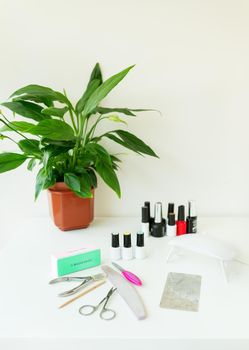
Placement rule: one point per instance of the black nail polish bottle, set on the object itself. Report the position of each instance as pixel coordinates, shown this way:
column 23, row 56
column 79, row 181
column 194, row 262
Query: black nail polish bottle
column 170, row 208
column 151, row 220
column 158, row 229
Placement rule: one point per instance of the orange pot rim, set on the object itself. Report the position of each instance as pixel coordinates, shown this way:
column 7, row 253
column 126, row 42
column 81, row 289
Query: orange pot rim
column 59, row 187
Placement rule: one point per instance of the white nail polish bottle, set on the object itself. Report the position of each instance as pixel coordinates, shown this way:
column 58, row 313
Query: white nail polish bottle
column 171, row 225
column 145, row 226
column 140, row 248
column 127, row 253
column 115, row 249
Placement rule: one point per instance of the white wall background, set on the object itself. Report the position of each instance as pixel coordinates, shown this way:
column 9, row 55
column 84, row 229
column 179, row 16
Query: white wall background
column 192, row 63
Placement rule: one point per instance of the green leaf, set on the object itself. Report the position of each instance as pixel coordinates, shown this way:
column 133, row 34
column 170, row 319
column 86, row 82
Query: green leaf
column 96, row 73
column 57, row 112
column 2, row 137
column 31, row 164
column 19, row 126
column 26, row 109
column 103, row 90
column 86, row 185
column 10, row 161
column 38, row 99
column 109, row 176
column 134, row 143
column 30, row 147
column 93, row 178
column 126, row 111
column 91, row 87
column 121, row 142
column 39, row 91
column 44, row 180
column 55, row 129
column 98, row 151
column 116, row 119
column 105, row 110
column 94, row 81
column 54, row 150
column 73, row 182
column 66, row 144
column 80, row 186
column 115, row 160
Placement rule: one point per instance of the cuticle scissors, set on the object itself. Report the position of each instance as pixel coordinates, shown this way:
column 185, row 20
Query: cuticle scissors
column 105, row 314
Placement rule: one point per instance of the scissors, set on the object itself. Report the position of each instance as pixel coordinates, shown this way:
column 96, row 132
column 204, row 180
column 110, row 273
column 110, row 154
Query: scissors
column 105, row 314
column 85, row 282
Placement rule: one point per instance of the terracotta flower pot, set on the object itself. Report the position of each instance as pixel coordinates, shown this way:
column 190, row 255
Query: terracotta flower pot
column 69, row 211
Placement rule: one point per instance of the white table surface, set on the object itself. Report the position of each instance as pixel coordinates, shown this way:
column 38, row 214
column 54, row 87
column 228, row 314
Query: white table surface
column 29, row 306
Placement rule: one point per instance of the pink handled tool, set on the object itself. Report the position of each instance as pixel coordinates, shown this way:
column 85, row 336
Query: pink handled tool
column 128, row 275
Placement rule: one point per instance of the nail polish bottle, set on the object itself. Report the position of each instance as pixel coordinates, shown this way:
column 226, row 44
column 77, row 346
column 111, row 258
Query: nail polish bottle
column 191, row 218
column 140, row 252
column 158, row 227
column 181, row 225
column 151, row 219
column 127, row 253
column 171, row 225
column 170, row 208
column 145, row 226
column 115, row 249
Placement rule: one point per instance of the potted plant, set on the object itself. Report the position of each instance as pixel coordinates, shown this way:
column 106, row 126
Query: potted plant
column 61, row 139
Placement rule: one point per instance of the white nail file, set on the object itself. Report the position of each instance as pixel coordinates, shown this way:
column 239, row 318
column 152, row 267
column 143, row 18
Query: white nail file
column 127, row 292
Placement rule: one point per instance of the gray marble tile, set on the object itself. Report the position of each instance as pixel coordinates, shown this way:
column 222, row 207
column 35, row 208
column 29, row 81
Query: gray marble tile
column 181, row 292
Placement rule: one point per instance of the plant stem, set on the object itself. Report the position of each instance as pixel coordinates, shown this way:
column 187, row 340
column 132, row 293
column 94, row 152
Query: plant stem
column 7, row 137
column 93, row 128
column 72, row 119
column 8, row 125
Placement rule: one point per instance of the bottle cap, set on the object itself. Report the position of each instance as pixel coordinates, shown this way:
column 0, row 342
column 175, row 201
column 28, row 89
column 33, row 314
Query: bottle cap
column 171, row 219
column 145, row 214
column 147, row 204
column 127, row 240
column 171, row 208
column 191, row 209
column 181, row 213
column 115, row 240
column 158, row 212
column 140, row 239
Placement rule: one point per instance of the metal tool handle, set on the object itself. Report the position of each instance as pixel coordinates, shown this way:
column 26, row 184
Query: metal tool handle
column 107, row 314
column 67, row 279
column 87, row 310
column 74, row 290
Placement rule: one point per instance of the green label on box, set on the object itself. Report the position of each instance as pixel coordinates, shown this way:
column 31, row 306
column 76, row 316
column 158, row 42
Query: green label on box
column 78, row 262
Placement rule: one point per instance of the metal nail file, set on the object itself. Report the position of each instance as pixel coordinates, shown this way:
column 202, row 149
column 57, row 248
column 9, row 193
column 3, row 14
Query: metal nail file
column 127, row 292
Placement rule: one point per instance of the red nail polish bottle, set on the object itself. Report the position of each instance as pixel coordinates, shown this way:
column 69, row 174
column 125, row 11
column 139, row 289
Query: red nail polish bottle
column 181, row 225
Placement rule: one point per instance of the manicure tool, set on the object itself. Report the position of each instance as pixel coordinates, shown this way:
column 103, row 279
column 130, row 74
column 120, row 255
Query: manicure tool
column 127, row 292
column 128, row 275
column 86, row 281
column 86, row 291
column 105, row 314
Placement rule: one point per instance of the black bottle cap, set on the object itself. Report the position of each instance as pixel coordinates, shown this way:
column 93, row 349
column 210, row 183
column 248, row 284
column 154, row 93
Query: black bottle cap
column 171, row 219
column 115, row 240
column 170, row 208
column 181, row 213
column 145, row 214
column 147, row 204
column 140, row 239
column 158, row 230
column 127, row 240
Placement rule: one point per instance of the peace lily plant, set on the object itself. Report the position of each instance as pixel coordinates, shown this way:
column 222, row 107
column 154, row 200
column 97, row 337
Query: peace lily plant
column 61, row 138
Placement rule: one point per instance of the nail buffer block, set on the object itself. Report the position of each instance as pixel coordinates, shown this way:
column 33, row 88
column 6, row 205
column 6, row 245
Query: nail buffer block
column 74, row 260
